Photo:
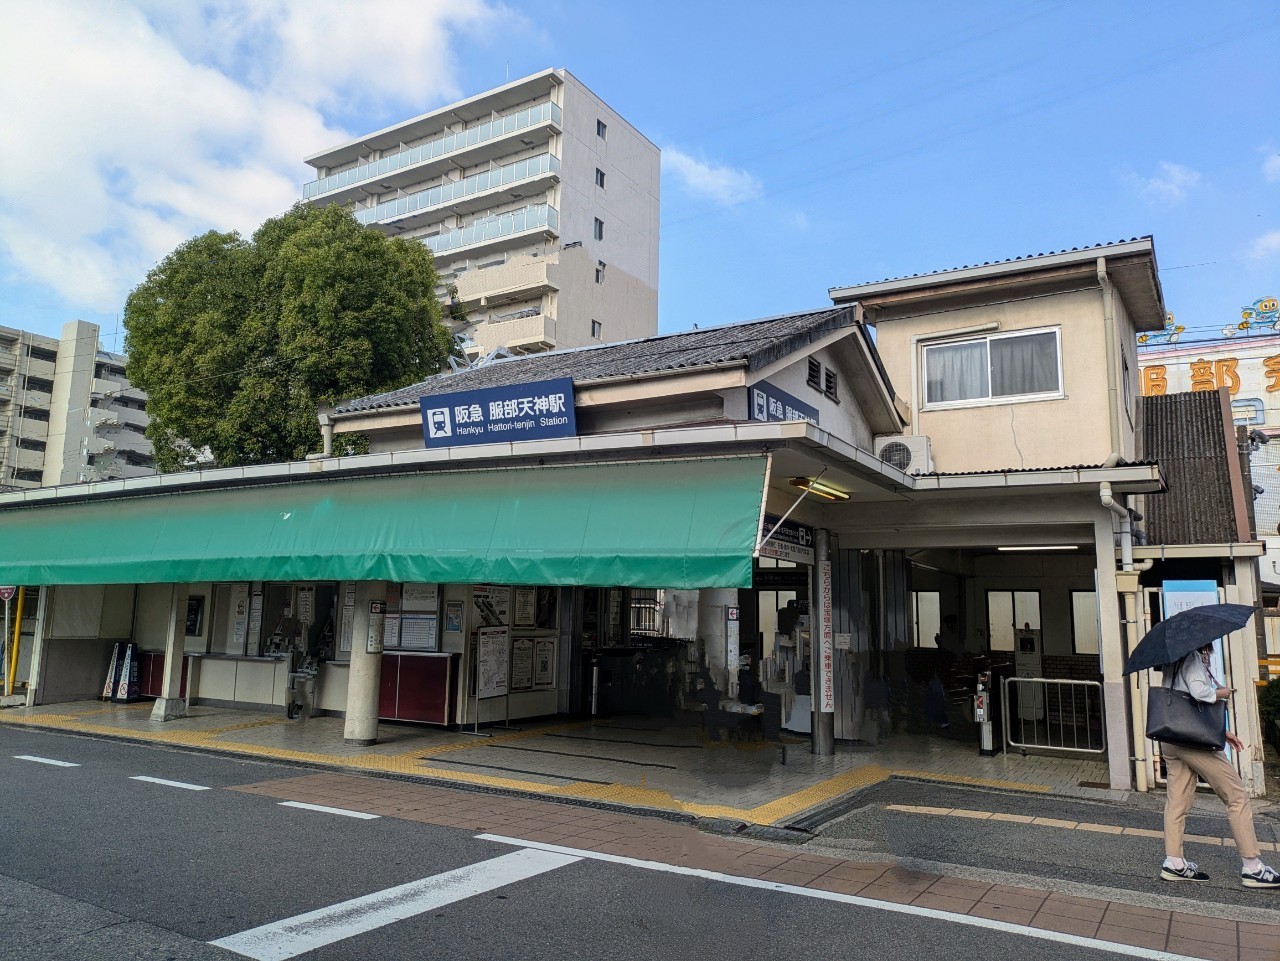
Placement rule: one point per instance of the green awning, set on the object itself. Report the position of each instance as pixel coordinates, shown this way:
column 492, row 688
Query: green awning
column 677, row 524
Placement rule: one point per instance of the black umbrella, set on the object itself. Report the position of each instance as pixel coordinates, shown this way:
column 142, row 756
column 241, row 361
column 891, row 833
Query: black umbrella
column 1177, row 636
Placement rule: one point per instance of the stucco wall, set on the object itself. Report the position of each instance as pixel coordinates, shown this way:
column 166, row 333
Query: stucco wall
column 994, row 435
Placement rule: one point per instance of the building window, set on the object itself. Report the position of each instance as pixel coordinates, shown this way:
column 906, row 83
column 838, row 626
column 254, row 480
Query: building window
column 597, row 329
column 998, row 367
column 39, row 384
column 830, row 385
column 926, row 609
column 35, row 413
column 599, row 178
column 1010, row 611
column 40, row 353
column 26, row 475
column 30, row 443
column 601, row 129
column 599, row 229
column 814, row 379
column 600, row 265
column 1086, row 638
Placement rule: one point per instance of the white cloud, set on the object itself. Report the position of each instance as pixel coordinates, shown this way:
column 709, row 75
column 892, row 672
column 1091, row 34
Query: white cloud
column 140, row 124
column 1271, row 168
column 1170, row 184
column 725, row 185
column 1266, row 246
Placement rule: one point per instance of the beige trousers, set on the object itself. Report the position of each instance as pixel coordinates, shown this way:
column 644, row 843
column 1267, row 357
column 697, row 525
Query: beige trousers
column 1183, row 764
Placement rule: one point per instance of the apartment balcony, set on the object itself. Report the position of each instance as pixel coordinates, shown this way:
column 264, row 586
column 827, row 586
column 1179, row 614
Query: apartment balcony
column 484, row 142
column 505, row 284
column 533, row 176
column 8, row 358
column 523, row 335
column 126, row 441
column 500, row 232
column 128, row 415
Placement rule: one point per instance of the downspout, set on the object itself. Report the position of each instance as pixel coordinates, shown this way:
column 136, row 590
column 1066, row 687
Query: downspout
column 1130, row 619
column 1109, row 330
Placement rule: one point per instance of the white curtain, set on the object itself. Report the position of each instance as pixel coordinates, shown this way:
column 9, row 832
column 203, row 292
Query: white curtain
column 1024, row 365
column 956, row 372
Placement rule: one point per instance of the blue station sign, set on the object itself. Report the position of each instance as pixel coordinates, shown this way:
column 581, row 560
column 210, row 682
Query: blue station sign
column 770, row 403
column 494, row 415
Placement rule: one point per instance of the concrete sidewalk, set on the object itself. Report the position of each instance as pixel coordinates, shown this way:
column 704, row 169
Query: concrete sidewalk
column 640, row 763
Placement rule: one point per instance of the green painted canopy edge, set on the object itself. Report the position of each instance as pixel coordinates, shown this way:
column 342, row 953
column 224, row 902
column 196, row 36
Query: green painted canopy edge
column 675, row 524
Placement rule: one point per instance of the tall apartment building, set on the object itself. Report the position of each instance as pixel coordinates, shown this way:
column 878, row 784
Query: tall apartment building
column 67, row 412
column 538, row 200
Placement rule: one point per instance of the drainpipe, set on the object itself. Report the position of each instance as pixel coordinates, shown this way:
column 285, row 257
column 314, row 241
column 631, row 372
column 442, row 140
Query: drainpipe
column 1130, row 594
column 1109, row 330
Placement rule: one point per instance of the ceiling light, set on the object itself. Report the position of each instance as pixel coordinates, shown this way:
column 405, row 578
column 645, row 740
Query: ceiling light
column 1042, row 547
column 814, row 486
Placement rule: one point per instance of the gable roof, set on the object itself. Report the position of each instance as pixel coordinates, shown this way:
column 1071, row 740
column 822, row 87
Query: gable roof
column 753, row 345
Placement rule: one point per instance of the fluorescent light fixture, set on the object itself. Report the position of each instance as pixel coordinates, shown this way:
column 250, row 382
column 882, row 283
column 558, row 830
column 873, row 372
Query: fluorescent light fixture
column 814, row 486
column 1042, row 547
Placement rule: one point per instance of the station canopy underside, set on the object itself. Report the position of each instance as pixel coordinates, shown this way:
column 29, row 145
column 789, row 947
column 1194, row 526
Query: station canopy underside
column 674, row 524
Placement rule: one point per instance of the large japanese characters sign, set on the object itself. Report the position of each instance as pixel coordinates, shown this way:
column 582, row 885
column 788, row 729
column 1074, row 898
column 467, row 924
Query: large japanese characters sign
column 494, row 415
column 1249, row 371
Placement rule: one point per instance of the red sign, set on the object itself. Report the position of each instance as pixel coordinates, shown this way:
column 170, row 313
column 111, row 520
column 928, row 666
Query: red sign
column 6, row 593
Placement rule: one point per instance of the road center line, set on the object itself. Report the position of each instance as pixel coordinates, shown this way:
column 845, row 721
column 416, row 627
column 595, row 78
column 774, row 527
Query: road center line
column 159, row 780
column 44, row 760
column 328, row 810
column 990, row 924
column 307, row 932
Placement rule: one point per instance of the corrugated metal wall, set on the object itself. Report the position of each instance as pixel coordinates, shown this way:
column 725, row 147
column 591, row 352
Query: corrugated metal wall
column 1184, row 433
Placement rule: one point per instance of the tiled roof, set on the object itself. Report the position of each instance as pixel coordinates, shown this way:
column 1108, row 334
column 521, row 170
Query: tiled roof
column 1038, row 470
column 754, row 344
column 1185, row 433
column 993, row 263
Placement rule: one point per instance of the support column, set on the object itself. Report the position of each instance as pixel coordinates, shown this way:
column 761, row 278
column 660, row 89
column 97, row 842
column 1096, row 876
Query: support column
column 39, row 649
column 1241, row 649
column 365, row 677
column 170, row 704
column 1115, row 703
column 821, row 681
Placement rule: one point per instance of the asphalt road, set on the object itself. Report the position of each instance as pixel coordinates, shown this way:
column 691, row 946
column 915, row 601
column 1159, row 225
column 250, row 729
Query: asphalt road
column 95, row 864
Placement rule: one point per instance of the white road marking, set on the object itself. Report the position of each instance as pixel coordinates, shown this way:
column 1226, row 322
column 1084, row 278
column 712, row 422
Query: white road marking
column 44, row 760
column 159, row 780
column 990, row 924
column 316, row 929
column 325, row 810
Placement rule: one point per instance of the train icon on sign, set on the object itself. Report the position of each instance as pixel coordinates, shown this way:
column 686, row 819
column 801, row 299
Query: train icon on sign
column 439, row 423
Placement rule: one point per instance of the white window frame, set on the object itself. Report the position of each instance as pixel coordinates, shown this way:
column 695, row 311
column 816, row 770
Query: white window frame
column 926, row 405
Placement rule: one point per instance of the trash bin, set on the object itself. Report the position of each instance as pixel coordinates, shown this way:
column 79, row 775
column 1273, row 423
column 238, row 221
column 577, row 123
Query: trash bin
column 300, row 696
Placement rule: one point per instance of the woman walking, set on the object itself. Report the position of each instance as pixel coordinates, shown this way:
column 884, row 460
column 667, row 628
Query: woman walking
column 1184, row 764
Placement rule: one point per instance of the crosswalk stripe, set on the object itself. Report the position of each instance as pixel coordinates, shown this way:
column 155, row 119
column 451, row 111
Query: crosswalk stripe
column 43, row 760
column 291, row 937
column 328, row 810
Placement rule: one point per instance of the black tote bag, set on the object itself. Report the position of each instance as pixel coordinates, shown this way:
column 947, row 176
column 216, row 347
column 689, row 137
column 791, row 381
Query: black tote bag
column 1178, row 718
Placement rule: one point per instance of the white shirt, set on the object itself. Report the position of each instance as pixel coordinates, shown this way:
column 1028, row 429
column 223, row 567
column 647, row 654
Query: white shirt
column 1194, row 678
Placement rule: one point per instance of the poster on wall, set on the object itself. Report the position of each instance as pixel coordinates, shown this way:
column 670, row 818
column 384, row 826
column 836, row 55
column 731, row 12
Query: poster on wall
column 420, row 597
column 307, row 605
column 492, row 605
column 348, row 625
column 522, row 664
column 391, row 631
column 255, row 624
column 526, row 607
column 239, row 617
column 377, row 617
column 453, row 617
column 493, row 657
column 418, row 632
column 544, row 662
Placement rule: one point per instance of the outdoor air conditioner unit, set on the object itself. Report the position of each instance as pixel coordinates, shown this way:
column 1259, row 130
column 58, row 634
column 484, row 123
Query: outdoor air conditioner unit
column 909, row 453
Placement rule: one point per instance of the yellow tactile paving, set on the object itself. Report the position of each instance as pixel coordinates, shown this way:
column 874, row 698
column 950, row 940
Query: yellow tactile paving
column 416, row 762
column 1061, row 825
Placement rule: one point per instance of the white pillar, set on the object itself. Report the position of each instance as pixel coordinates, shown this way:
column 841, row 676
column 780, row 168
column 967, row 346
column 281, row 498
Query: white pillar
column 170, row 704
column 39, row 649
column 1242, row 652
column 361, row 725
column 1115, row 703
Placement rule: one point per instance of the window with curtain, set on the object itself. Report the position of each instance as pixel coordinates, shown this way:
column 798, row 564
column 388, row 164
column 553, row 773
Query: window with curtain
column 1001, row 366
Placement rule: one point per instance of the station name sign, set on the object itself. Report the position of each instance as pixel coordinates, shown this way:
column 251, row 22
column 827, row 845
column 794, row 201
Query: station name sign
column 769, row 403
column 495, row 415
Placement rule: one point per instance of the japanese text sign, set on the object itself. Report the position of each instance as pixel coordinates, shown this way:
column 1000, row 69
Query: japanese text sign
column 494, row 415
column 768, row 403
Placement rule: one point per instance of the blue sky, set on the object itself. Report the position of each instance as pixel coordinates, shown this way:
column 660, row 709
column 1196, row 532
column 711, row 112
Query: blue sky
column 806, row 145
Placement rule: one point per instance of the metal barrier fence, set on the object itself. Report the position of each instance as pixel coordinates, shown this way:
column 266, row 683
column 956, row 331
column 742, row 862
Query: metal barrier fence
column 1049, row 714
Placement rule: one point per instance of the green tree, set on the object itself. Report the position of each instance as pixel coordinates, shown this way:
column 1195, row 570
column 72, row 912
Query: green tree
column 238, row 343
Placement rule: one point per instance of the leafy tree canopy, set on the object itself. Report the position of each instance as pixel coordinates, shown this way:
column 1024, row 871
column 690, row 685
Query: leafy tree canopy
column 238, row 342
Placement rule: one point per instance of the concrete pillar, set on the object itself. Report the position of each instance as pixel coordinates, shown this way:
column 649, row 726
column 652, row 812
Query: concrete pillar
column 365, row 678
column 39, row 649
column 821, row 626
column 1115, row 703
column 1241, row 651
column 170, row 704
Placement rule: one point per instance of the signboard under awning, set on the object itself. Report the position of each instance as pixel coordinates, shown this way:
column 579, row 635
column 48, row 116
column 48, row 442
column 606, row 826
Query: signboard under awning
column 790, row 542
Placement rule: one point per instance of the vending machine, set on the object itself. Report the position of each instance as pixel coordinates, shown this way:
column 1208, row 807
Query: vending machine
column 1028, row 662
